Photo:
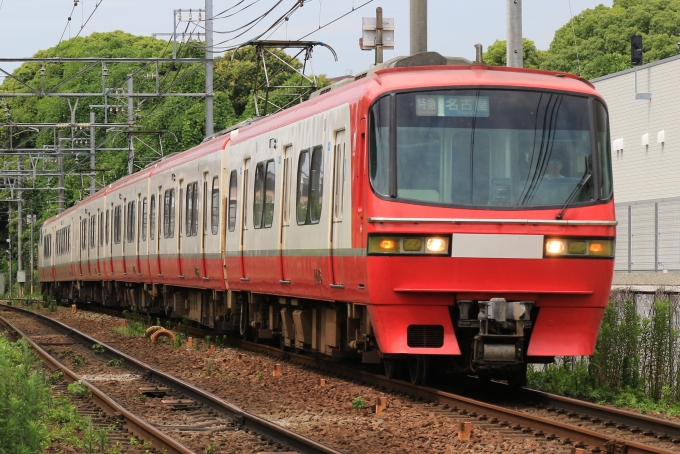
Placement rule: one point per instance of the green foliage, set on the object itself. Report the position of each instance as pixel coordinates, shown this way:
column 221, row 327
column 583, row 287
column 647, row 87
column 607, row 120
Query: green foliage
column 211, row 449
column 65, row 353
column 259, row 375
column 208, row 367
column 603, row 36
column 78, row 388
column 131, row 329
column 114, row 362
column 79, row 361
column 495, row 55
column 56, row 376
column 358, row 403
column 98, row 349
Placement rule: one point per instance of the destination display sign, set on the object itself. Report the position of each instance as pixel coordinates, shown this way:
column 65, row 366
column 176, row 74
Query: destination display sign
column 452, row 106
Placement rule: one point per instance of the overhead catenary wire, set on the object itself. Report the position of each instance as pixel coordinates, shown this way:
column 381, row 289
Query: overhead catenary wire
column 68, row 21
column 573, row 31
column 96, row 6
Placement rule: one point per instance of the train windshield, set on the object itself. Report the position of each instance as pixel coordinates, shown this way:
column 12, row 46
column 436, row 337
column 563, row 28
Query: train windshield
column 490, row 148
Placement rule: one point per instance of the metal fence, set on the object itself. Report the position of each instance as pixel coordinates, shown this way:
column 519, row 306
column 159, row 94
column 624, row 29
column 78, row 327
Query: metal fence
column 648, row 236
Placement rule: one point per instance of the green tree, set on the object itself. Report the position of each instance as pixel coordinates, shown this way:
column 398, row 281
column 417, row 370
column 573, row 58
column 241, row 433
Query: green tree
column 496, row 55
column 603, row 37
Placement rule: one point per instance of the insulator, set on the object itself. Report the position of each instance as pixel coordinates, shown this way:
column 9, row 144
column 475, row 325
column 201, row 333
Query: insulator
column 42, row 70
column 189, row 14
column 180, row 16
column 199, row 15
column 182, row 38
column 189, row 40
column 198, row 38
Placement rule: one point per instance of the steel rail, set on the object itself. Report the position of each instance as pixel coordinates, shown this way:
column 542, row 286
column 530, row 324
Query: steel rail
column 247, row 420
column 133, row 424
column 525, row 420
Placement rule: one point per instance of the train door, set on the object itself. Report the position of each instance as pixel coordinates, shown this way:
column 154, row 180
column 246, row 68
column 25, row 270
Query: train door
column 205, row 226
column 244, row 219
column 338, row 172
column 285, row 213
column 180, row 231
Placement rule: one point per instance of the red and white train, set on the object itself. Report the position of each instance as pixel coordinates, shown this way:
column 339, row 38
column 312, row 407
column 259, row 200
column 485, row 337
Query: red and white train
column 430, row 213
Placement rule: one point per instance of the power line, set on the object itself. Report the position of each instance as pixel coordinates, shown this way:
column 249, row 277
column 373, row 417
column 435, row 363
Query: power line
column 88, row 20
column 336, row 19
column 233, row 14
column 68, row 21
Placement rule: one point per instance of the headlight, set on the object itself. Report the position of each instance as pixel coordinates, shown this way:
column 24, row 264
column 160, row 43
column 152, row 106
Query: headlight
column 405, row 245
column 579, row 247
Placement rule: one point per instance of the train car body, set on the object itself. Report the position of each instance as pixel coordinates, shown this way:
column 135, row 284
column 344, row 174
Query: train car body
column 440, row 216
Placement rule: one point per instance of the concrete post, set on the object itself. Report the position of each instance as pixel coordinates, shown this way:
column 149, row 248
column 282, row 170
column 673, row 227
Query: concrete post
column 514, row 52
column 378, row 35
column 418, row 26
column 209, row 96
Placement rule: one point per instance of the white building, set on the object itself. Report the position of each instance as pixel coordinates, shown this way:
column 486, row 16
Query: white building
column 645, row 136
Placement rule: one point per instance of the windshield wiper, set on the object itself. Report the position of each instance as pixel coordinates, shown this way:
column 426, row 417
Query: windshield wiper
column 576, row 190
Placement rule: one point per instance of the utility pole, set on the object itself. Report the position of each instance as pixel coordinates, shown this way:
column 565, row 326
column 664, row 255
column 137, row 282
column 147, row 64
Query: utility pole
column 92, row 158
column 209, row 96
column 378, row 35
column 419, row 26
column 30, row 219
column 131, row 145
column 20, row 231
column 9, row 240
column 514, row 52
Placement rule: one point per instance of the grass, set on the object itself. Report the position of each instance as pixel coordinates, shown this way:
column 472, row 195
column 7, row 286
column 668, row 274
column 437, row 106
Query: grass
column 131, row 329
column 358, row 403
column 32, row 418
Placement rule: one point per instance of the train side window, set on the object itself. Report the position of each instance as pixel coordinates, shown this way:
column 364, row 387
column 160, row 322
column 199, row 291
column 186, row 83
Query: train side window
column 339, row 180
column 233, row 192
column 106, row 235
column 169, row 214
column 68, row 239
column 144, row 219
column 93, row 230
column 303, row 188
column 188, row 215
column 101, row 228
column 258, row 194
column 215, row 206
column 286, row 188
column 83, row 234
column 194, row 211
column 117, row 221
column 152, row 218
column 269, row 192
column 310, row 186
column 131, row 221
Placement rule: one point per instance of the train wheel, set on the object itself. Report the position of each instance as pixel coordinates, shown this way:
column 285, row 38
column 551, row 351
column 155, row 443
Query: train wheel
column 392, row 368
column 416, row 369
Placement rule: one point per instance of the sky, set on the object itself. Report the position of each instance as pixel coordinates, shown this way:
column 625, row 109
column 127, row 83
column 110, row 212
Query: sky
column 454, row 26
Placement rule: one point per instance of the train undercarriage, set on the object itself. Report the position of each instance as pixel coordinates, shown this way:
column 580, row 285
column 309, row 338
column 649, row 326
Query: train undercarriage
column 492, row 335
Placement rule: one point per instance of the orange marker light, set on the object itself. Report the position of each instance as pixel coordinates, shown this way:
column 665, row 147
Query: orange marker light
column 596, row 247
column 387, row 244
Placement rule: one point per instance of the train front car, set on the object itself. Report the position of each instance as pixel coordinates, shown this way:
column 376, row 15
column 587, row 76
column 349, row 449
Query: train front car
column 491, row 226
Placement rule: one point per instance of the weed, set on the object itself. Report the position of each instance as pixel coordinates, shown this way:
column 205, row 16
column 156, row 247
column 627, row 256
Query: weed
column 98, row 349
column 141, row 398
column 207, row 342
column 116, row 449
column 134, row 442
column 79, row 361
column 226, row 377
column 185, row 326
column 56, row 376
column 102, row 439
column 53, row 306
column 114, row 362
column 208, row 367
column 177, row 342
column 131, row 329
column 65, row 353
column 78, row 388
column 211, row 449
column 259, row 375
column 358, row 403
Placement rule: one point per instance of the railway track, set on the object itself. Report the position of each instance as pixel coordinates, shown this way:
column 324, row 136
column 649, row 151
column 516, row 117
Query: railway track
column 201, row 412
column 553, row 419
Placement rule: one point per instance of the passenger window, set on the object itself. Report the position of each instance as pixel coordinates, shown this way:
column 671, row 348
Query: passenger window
column 310, row 187
column 144, row 222
column 233, row 191
column 269, row 192
column 215, row 206
column 107, row 227
column 257, row 198
column 93, row 230
column 131, row 222
column 169, row 214
column 101, row 229
column 83, row 234
column 303, row 188
column 189, row 208
column 286, row 188
column 194, row 212
column 152, row 218
column 117, row 224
